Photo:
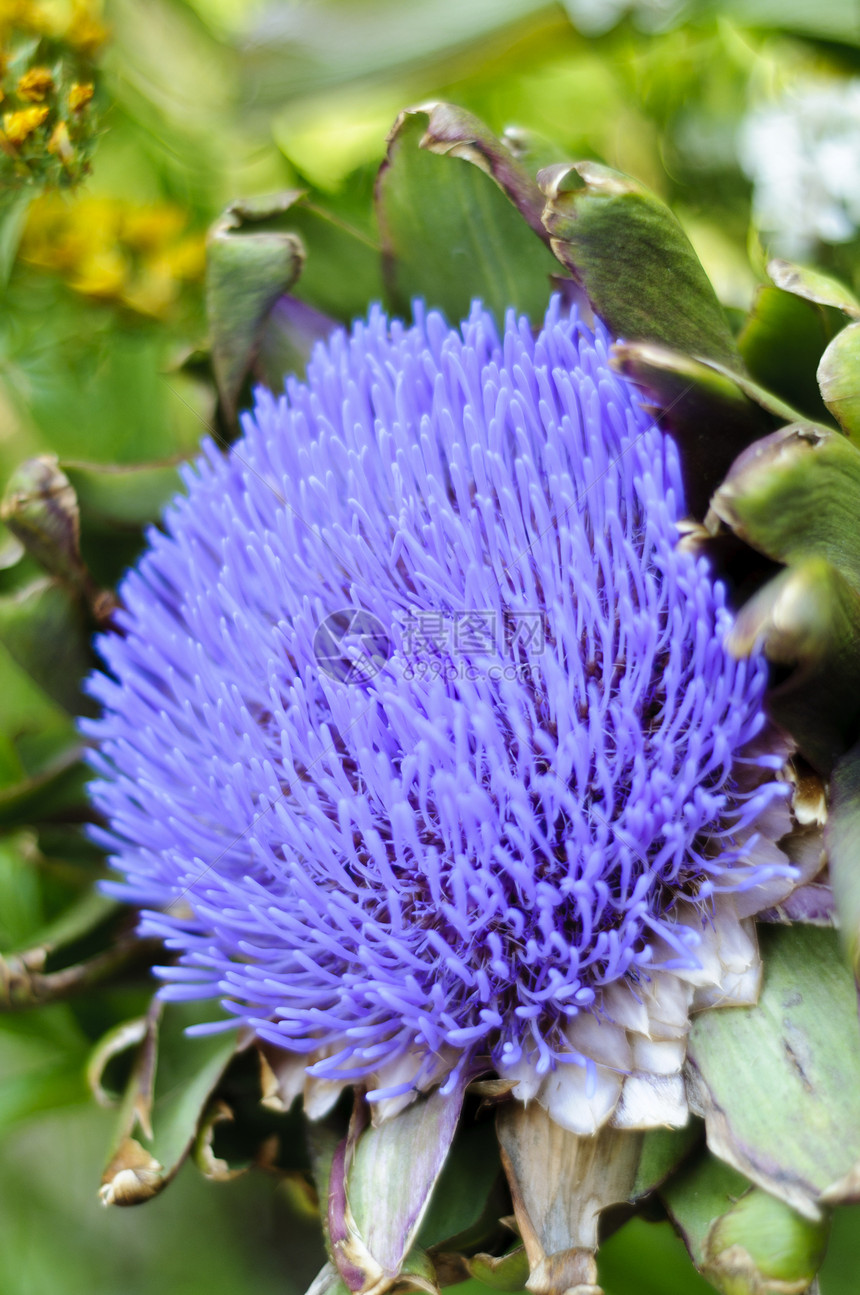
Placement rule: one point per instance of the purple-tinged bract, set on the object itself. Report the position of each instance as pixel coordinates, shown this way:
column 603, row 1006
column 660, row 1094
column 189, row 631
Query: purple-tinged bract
column 449, row 846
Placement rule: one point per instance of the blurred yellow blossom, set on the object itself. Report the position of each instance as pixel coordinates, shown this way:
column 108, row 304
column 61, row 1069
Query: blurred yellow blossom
column 80, row 96
column 23, row 14
column 85, row 30
column 61, row 145
column 35, row 85
column 19, row 126
column 134, row 256
column 77, row 22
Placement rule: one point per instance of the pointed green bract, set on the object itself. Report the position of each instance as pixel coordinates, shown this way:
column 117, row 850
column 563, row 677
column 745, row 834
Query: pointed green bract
column 796, row 494
column 813, row 286
column 634, row 261
column 454, row 132
column 510, row 1272
column 808, row 618
column 744, row 1240
column 450, row 229
column 41, row 510
column 248, row 268
column 763, row 1247
column 781, row 343
column 165, row 1101
column 779, row 1083
column 843, row 851
column 328, row 1282
column 839, row 380
column 698, row 1196
column 380, row 1187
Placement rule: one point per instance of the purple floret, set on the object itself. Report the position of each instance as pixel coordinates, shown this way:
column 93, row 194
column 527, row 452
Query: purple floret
column 452, row 844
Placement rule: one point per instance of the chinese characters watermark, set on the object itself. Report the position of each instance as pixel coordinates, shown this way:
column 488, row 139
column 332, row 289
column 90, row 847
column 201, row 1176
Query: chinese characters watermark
column 353, row 645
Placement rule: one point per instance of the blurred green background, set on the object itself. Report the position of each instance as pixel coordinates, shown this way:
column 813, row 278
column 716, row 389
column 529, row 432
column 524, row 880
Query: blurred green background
column 744, row 115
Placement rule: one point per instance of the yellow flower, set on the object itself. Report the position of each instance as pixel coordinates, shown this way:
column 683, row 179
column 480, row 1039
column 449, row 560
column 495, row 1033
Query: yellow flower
column 60, row 144
column 148, row 229
column 138, row 257
column 19, row 126
column 85, row 32
column 102, row 273
column 80, row 95
column 35, row 84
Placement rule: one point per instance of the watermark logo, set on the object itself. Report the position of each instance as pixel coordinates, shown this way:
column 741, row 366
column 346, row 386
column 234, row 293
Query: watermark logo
column 351, row 645
column 474, row 633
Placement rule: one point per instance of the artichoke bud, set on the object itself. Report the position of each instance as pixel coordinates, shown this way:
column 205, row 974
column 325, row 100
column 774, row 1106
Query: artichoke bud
column 40, row 508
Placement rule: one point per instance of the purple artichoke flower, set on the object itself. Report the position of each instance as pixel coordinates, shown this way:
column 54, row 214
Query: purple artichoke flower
column 421, row 745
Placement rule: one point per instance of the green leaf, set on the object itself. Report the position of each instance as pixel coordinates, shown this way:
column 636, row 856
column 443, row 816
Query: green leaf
column 779, row 1083
column 20, row 893
column 52, row 792
column 808, row 618
column 342, row 270
column 510, row 1272
column 835, row 20
column 45, row 630
column 41, row 1088
column 781, row 344
column 634, row 261
column 796, row 494
column 248, row 268
column 812, row 285
column 341, row 41
column 120, row 495
column 450, row 230
column 698, row 1196
column 647, row 1259
column 839, row 380
column 662, row 1151
column 843, row 851
column 165, row 1102
column 42, row 1057
column 13, row 215
column 292, row 330
column 460, row 1197
column 454, row 132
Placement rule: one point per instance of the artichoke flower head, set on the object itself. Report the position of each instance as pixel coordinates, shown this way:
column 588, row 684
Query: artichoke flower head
column 424, row 749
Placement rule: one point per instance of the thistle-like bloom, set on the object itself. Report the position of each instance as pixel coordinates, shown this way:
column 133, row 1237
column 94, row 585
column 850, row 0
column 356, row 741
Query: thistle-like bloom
column 512, row 811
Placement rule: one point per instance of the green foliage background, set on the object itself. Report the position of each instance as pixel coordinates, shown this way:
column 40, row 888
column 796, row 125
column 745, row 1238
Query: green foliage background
column 202, row 101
